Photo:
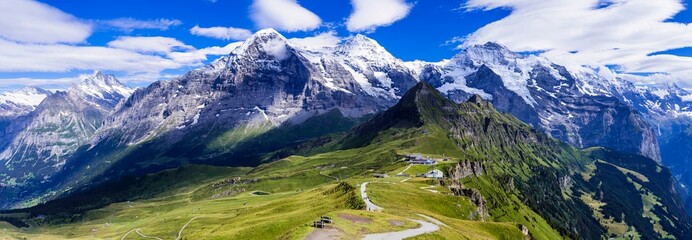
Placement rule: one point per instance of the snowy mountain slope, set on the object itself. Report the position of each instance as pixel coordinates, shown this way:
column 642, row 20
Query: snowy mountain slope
column 266, row 79
column 21, row 102
column 59, row 125
column 576, row 107
column 265, row 83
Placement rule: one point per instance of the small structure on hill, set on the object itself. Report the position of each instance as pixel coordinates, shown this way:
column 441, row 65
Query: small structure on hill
column 418, row 159
column 324, row 220
column 435, row 174
column 381, row 175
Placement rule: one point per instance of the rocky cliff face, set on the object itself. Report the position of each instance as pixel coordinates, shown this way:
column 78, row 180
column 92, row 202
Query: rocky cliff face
column 265, row 81
column 547, row 96
column 64, row 121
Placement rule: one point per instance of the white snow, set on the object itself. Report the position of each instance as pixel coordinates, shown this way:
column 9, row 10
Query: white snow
column 687, row 98
column 99, row 84
column 661, row 93
column 26, row 96
column 195, row 119
column 459, row 76
column 264, row 114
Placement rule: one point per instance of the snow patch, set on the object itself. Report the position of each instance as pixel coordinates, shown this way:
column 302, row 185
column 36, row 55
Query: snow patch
column 661, row 93
column 26, row 96
column 195, row 119
column 687, row 98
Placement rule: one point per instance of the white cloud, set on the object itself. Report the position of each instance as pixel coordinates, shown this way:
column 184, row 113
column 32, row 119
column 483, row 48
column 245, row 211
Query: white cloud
column 19, row 57
column 284, row 15
column 34, row 22
column 320, row 41
column 370, row 14
column 149, row 44
column 45, row 83
column 130, row 24
column 196, row 56
column 623, row 32
column 276, row 48
column 224, row 33
column 152, row 68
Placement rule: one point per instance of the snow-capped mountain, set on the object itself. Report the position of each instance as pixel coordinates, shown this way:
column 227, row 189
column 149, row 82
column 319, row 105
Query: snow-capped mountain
column 268, row 82
column 567, row 105
column 264, row 83
column 42, row 140
column 103, row 89
column 21, row 102
column 668, row 107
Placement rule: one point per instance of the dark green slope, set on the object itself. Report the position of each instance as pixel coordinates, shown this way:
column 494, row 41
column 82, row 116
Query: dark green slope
column 525, row 167
column 507, row 147
column 107, row 161
column 676, row 155
column 620, row 179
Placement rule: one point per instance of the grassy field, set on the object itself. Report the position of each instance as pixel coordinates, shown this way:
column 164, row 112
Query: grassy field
column 294, row 192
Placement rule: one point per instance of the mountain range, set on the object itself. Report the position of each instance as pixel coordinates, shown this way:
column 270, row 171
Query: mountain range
column 504, row 180
column 100, row 130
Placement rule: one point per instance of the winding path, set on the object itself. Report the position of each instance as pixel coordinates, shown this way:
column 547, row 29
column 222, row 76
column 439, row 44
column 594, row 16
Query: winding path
column 425, row 227
column 368, row 204
column 326, row 175
column 145, row 236
column 429, row 226
column 128, row 232
column 406, row 169
column 180, row 233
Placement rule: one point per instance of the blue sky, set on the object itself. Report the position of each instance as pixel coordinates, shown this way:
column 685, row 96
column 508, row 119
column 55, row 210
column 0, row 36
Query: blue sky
column 427, row 27
column 52, row 43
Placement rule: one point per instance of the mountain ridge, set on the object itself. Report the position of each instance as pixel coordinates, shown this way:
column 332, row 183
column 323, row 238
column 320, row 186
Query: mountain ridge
column 267, row 82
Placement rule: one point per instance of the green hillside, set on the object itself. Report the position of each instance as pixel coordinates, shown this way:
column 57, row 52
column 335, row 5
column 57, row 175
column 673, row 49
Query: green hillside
column 502, row 177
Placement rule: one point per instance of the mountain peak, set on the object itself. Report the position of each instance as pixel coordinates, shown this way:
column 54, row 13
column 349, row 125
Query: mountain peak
column 266, row 41
column 425, row 99
column 360, row 41
column 31, row 90
column 422, row 88
column 489, row 52
column 365, row 48
column 476, row 98
column 101, row 78
column 100, row 84
column 27, row 96
column 360, row 38
column 267, row 32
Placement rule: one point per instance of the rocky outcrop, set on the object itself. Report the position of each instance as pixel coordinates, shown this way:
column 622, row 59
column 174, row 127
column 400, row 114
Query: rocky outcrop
column 565, row 182
column 457, row 188
column 465, row 169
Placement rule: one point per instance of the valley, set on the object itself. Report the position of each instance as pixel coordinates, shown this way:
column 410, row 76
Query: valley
column 490, row 191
